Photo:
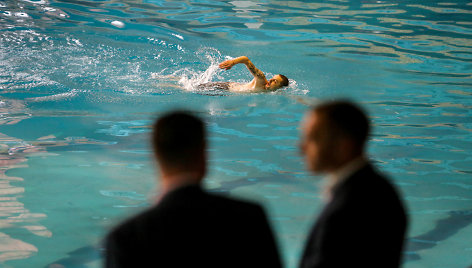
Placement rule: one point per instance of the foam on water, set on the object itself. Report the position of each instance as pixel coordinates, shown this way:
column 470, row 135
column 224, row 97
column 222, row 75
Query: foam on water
column 55, row 97
column 189, row 79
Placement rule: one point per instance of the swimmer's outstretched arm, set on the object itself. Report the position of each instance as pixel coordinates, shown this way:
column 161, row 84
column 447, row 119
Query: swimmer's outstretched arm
column 227, row 64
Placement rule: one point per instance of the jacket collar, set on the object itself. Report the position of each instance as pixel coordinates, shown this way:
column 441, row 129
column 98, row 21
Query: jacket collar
column 335, row 179
column 184, row 190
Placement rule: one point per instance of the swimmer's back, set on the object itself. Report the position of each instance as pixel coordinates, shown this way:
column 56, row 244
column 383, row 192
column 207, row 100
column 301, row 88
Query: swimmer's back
column 215, row 85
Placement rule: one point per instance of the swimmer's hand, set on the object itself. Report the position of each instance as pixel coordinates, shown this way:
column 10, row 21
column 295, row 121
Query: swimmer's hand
column 227, row 64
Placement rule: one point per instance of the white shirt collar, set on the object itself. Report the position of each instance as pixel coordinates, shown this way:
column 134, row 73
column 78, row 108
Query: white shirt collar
column 337, row 177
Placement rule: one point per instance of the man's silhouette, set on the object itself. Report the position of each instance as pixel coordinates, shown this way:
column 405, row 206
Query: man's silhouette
column 190, row 227
column 363, row 223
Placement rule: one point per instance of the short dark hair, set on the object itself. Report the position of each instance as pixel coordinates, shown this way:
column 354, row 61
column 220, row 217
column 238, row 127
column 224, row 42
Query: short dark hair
column 178, row 138
column 345, row 118
column 284, row 80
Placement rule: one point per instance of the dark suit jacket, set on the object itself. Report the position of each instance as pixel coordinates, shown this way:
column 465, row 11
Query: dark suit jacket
column 192, row 228
column 362, row 226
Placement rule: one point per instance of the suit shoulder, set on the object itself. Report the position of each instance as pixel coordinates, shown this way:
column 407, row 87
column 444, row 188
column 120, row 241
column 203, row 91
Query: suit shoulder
column 367, row 185
column 235, row 202
column 373, row 178
column 134, row 223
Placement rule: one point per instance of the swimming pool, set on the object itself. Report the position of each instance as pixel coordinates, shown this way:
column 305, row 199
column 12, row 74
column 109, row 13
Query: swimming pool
column 81, row 81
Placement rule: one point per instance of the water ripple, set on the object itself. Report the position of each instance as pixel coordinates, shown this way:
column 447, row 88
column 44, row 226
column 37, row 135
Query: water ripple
column 412, row 57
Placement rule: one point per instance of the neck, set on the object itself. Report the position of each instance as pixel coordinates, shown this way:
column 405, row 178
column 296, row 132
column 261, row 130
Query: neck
column 337, row 176
column 173, row 181
column 344, row 156
column 352, row 163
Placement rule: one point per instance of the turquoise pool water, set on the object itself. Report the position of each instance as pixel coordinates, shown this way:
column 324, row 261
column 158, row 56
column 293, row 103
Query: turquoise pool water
column 81, row 81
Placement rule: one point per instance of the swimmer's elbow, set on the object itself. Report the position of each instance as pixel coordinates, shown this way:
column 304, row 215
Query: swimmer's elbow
column 243, row 59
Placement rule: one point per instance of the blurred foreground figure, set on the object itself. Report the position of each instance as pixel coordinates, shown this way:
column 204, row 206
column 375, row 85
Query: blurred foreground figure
column 190, row 227
column 363, row 223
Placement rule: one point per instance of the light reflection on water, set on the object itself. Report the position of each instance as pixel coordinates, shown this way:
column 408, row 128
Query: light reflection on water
column 82, row 80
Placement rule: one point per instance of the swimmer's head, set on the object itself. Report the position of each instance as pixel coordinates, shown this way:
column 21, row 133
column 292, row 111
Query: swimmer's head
column 276, row 82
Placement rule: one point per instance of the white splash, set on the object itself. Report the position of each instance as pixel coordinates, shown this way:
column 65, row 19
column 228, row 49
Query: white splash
column 40, row 2
column 178, row 36
column 118, row 24
column 54, row 97
column 189, row 82
column 191, row 79
column 55, row 12
column 296, row 89
column 21, row 15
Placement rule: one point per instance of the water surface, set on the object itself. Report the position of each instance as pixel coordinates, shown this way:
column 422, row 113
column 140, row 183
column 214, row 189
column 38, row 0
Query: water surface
column 81, row 82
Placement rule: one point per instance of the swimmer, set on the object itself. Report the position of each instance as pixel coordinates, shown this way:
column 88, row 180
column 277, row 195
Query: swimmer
column 258, row 84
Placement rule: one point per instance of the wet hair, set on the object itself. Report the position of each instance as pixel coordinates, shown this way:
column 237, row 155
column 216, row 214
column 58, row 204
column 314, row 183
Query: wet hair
column 178, row 139
column 284, row 80
column 344, row 118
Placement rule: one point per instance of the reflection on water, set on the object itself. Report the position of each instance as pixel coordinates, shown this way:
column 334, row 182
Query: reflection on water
column 14, row 154
column 13, row 213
